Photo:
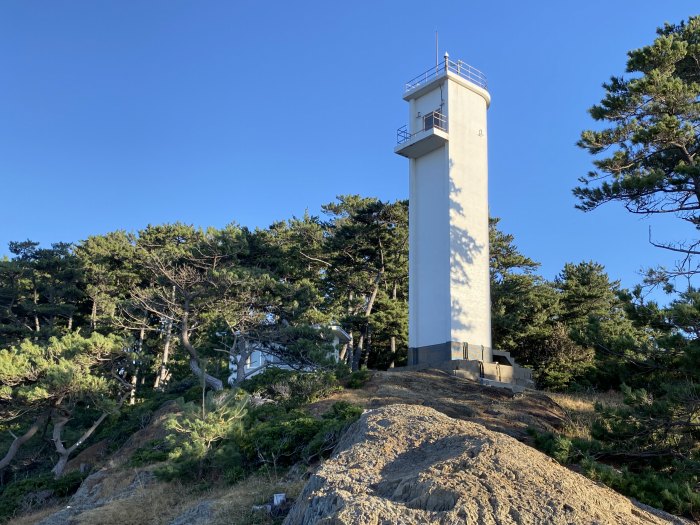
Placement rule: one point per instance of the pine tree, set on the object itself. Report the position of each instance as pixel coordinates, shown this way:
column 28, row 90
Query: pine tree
column 648, row 154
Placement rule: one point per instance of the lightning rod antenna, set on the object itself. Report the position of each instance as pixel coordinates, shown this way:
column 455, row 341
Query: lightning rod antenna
column 436, row 50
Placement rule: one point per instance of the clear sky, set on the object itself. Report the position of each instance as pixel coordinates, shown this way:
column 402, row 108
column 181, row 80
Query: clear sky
column 117, row 114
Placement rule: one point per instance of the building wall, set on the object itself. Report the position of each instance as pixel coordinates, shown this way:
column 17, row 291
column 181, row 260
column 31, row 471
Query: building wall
column 430, row 101
column 469, row 228
column 449, row 295
column 429, row 251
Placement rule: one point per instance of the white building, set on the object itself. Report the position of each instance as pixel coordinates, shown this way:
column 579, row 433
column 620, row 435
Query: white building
column 259, row 359
column 446, row 144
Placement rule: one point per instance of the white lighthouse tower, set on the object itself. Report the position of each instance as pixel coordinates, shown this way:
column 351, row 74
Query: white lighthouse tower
column 445, row 141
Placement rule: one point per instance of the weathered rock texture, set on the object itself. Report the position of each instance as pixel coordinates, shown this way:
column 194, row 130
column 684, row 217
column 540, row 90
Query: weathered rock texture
column 407, row 464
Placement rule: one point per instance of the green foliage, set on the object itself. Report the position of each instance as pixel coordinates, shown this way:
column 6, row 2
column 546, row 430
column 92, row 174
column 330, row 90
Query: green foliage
column 120, row 426
column 647, row 156
column 358, row 379
column 278, row 438
column 562, row 362
column 335, row 422
column 554, row 445
column 586, row 293
column 199, row 428
column 40, row 291
column 674, row 491
column 366, row 283
column 153, row 451
column 566, row 450
column 654, row 438
column 548, row 325
column 66, row 367
column 665, row 425
column 290, row 388
column 672, row 488
column 67, row 380
column 14, row 495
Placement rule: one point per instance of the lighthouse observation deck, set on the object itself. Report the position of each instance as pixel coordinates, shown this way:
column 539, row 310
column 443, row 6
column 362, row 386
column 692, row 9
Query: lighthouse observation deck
column 428, row 127
column 462, row 69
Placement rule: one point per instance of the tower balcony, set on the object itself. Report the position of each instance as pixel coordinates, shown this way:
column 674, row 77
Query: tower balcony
column 431, row 135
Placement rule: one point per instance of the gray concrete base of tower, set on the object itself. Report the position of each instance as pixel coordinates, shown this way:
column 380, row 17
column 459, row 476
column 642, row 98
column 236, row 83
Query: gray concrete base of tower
column 433, row 354
column 475, row 362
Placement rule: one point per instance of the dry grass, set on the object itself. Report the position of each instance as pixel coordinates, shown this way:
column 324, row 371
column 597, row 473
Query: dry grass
column 234, row 505
column 155, row 504
column 160, row 503
column 35, row 517
column 580, row 409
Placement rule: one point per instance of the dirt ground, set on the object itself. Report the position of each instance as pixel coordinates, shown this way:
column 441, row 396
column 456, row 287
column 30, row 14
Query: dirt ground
column 497, row 409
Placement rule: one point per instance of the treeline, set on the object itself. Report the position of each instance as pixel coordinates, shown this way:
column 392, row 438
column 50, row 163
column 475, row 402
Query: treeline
column 581, row 330
column 645, row 147
column 86, row 329
column 180, row 296
column 200, row 289
column 89, row 329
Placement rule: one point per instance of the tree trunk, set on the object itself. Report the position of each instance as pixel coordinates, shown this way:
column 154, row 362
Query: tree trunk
column 63, row 452
column 358, row 356
column 210, row 381
column 357, row 353
column 342, row 353
column 242, row 359
column 139, row 353
column 350, row 350
column 21, row 440
column 134, row 383
column 37, row 326
column 162, row 375
column 366, row 349
column 93, row 315
column 392, row 340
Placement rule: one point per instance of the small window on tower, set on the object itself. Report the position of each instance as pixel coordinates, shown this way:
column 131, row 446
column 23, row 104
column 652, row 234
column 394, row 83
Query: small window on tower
column 429, row 121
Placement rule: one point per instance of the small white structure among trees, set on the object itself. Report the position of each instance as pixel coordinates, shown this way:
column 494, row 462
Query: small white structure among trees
column 261, row 356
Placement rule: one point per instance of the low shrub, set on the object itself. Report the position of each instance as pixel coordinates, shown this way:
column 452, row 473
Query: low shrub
column 153, row 451
column 13, row 496
column 276, row 437
column 291, row 388
column 199, row 430
column 673, row 492
column 672, row 489
column 358, row 379
column 334, row 423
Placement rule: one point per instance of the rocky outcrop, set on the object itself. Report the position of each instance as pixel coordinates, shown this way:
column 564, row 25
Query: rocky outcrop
column 407, row 464
column 99, row 489
column 114, row 481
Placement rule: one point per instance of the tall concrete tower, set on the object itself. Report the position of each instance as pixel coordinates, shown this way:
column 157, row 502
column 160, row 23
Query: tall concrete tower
column 445, row 141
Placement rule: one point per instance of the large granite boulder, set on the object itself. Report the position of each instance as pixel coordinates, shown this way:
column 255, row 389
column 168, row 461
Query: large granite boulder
column 408, row 464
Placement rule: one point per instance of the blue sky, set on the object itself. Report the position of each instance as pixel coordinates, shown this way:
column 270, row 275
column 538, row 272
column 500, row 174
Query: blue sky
column 117, row 114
